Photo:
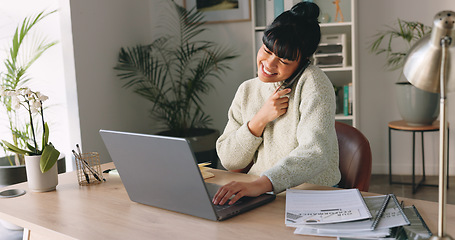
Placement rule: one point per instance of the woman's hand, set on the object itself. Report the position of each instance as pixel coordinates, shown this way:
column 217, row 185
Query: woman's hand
column 236, row 190
column 275, row 106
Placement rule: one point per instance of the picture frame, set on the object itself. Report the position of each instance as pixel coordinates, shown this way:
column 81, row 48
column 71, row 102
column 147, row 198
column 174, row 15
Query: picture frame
column 239, row 13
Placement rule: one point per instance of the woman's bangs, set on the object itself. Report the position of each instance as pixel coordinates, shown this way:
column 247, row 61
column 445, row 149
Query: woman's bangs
column 282, row 45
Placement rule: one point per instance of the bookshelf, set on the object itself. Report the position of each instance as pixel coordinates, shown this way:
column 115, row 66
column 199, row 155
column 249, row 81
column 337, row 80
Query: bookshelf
column 342, row 73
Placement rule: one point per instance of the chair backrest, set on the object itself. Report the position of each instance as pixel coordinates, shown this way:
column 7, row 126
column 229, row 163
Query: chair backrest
column 355, row 157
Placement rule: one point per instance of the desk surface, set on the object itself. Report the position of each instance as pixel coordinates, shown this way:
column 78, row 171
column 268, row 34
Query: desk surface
column 104, row 211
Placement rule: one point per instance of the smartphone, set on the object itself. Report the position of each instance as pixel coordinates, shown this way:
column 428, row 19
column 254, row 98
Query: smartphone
column 288, row 82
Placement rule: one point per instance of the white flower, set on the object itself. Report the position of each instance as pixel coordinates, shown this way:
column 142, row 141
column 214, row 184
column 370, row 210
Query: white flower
column 15, row 102
column 41, row 96
column 27, row 91
column 35, row 106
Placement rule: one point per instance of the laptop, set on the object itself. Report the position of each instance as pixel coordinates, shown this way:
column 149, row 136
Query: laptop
column 162, row 172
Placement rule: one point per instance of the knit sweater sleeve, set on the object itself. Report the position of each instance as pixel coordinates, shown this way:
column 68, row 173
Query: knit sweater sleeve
column 315, row 159
column 237, row 146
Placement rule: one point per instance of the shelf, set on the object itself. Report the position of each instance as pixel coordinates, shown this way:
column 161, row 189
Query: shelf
column 343, row 117
column 337, row 69
column 260, row 28
column 335, row 24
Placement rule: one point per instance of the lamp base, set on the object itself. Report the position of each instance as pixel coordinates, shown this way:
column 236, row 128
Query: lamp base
column 446, row 237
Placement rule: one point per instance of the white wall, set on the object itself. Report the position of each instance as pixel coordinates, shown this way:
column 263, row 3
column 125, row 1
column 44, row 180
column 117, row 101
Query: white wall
column 99, row 29
column 377, row 100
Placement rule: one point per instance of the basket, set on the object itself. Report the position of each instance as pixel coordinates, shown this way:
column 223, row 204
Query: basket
column 88, row 169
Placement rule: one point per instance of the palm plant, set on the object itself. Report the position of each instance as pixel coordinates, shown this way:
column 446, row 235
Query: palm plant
column 175, row 71
column 24, row 51
column 405, row 34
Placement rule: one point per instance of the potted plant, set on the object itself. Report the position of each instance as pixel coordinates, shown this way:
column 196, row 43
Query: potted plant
column 416, row 106
column 39, row 159
column 174, row 72
column 23, row 52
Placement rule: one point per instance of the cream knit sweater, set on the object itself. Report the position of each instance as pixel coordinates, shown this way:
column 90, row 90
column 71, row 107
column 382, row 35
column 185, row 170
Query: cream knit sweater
column 299, row 147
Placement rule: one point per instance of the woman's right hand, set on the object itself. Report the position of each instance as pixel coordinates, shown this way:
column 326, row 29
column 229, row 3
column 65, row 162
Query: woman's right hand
column 275, row 106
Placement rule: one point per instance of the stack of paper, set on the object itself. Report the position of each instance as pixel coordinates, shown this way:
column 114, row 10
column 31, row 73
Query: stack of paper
column 343, row 213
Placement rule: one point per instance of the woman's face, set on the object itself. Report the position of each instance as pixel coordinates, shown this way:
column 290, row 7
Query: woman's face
column 272, row 68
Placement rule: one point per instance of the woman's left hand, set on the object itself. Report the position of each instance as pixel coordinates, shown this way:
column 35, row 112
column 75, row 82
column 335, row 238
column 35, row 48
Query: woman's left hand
column 236, row 190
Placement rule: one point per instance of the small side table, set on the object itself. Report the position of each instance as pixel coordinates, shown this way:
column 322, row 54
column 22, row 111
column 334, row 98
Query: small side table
column 403, row 126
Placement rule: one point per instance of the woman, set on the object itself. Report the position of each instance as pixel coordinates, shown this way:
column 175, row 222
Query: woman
column 284, row 135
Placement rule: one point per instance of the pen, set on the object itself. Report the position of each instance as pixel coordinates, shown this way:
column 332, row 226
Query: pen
column 95, row 174
column 79, row 150
column 83, row 168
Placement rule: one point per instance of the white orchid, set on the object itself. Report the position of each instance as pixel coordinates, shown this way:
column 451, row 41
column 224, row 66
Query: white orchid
column 33, row 103
column 15, row 102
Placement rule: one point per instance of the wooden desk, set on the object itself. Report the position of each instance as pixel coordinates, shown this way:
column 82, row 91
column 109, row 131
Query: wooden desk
column 104, row 211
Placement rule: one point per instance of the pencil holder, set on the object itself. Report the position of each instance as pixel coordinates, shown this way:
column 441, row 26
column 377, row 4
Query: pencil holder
column 88, row 168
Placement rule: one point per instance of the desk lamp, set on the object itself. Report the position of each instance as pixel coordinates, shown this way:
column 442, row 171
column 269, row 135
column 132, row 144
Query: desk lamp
column 430, row 66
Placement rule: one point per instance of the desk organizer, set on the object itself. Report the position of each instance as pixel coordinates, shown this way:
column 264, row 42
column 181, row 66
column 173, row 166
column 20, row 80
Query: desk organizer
column 88, row 169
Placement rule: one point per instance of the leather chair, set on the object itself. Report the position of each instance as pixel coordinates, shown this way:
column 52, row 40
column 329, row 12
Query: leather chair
column 355, row 157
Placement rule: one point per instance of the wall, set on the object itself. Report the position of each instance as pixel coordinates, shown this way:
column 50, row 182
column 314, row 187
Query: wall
column 377, row 100
column 99, row 29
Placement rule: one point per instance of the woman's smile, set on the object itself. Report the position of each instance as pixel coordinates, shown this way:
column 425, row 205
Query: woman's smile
column 272, row 68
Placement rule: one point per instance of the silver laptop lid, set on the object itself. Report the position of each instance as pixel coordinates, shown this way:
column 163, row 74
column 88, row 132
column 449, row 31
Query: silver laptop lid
column 159, row 171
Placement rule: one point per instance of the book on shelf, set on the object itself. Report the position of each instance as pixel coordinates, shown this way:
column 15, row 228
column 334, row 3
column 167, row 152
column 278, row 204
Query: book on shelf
column 347, row 99
column 278, row 7
column 288, row 4
column 260, row 13
column 268, row 10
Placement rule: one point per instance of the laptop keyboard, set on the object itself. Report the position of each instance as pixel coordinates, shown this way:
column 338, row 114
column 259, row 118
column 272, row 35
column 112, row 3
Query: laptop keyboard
column 226, row 205
column 212, row 188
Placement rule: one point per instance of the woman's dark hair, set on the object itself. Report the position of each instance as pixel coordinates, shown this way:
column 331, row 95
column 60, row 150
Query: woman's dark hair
column 295, row 33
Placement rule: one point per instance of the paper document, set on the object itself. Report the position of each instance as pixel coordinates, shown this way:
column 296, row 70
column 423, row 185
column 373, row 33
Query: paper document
column 378, row 233
column 392, row 217
column 324, row 206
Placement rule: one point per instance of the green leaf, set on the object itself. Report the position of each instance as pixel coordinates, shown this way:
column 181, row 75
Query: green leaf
column 45, row 134
column 48, row 158
column 15, row 149
column 30, row 147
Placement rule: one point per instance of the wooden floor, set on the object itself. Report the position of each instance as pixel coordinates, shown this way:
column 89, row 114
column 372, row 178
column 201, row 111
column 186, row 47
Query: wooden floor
column 380, row 184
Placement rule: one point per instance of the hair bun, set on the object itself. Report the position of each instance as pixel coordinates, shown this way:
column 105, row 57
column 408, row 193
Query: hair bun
column 306, row 10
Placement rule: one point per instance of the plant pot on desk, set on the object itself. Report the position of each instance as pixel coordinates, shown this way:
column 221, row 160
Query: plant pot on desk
column 37, row 180
column 16, row 174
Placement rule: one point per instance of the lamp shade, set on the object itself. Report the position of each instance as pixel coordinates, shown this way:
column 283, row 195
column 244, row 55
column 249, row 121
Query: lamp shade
column 422, row 64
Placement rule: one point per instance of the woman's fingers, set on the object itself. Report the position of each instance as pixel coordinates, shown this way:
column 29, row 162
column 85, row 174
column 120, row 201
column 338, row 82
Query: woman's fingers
column 226, row 192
